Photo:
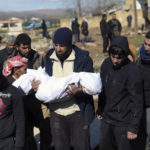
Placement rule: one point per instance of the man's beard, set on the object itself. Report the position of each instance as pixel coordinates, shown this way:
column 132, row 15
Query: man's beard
column 20, row 53
column 64, row 56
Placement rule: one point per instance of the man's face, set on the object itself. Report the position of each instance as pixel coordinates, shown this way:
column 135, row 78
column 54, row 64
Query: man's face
column 116, row 60
column 60, row 50
column 11, row 45
column 114, row 16
column 147, row 46
column 20, row 71
column 24, row 49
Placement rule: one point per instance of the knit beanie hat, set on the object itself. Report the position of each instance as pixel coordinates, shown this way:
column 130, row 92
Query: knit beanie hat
column 63, row 36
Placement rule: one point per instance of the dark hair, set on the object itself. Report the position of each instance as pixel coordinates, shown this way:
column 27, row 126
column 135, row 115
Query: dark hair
column 148, row 35
column 116, row 50
column 24, row 39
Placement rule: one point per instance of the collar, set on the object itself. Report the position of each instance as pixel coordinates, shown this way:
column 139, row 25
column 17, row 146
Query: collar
column 70, row 58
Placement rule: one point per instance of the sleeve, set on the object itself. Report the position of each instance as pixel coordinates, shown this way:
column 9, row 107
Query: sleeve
column 101, row 97
column 18, row 111
column 135, row 90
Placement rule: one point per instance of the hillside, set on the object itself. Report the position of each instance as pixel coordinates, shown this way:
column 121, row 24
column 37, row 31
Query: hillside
column 41, row 13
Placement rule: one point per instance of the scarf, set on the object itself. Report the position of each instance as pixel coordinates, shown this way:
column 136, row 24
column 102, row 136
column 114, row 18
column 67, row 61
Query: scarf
column 145, row 58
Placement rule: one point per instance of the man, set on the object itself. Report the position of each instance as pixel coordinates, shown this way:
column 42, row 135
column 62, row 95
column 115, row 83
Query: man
column 9, row 50
column 143, row 63
column 129, row 20
column 114, row 26
column 71, row 116
column 84, row 30
column 145, row 15
column 37, row 114
column 12, row 121
column 104, row 31
column 75, row 31
column 44, row 28
column 23, row 47
column 15, row 67
column 121, row 100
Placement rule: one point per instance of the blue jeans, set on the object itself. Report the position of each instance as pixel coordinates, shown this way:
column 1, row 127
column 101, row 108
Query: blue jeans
column 148, row 128
column 67, row 129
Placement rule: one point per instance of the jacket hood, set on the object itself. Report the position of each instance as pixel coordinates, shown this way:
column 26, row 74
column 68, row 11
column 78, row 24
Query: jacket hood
column 122, row 42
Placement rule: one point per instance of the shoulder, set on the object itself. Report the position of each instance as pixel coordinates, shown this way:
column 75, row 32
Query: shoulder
column 3, row 51
column 80, row 52
column 14, row 91
column 133, row 70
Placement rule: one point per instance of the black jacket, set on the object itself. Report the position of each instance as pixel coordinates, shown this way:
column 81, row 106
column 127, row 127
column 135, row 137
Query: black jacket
column 121, row 100
column 12, row 121
column 75, row 27
column 145, row 71
column 104, row 27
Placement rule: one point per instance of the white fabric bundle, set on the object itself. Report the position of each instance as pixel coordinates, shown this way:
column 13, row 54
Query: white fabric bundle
column 24, row 81
column 54, row 88
column 91, row 82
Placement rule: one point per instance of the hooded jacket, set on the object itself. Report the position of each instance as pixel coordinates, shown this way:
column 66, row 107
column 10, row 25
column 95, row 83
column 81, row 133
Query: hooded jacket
column 82, row 62
column 121, row 100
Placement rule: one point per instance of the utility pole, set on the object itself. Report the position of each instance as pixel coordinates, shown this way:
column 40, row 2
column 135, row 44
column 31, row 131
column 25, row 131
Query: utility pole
column 78, row 8
column 135, row 16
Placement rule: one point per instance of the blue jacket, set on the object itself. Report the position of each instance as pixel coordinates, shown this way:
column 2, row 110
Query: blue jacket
column 82, row 63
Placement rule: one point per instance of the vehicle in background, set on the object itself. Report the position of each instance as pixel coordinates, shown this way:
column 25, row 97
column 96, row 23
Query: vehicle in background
column 36, row 25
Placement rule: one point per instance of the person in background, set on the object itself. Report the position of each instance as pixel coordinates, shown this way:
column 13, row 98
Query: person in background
column 75, row 31
column 145, row 15
column 84, row 30
column 71, row 116
column 44, row 28
column 129, row 20
column 12, row 121
column 37, row 114
column 120, row 104
column 105, row 32
column 114, row 26
column 9, row 50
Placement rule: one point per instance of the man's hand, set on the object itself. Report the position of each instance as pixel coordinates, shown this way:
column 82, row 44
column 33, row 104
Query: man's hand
column 72, row 89
column 131, row 136
column 35, row 84
column 99, row 117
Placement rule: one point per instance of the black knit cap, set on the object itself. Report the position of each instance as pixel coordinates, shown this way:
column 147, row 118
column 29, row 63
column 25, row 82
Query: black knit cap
column 63, row 36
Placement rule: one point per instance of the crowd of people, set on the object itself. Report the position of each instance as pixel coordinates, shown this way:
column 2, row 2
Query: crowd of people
column 123, row 103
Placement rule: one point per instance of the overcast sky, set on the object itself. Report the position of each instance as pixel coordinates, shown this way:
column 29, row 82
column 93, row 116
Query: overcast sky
column 21, row 5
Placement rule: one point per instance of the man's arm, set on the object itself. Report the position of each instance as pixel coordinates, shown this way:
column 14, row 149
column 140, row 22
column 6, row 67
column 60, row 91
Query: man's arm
column 18, row 111
column 135, row 90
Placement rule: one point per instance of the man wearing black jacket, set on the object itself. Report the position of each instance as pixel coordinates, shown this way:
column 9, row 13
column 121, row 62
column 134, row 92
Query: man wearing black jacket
column 104, row 31
column 143, row 63
column 121, row 101
column 12, row 121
